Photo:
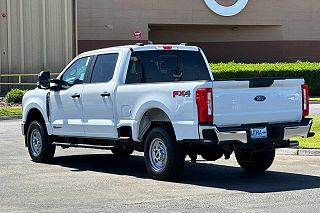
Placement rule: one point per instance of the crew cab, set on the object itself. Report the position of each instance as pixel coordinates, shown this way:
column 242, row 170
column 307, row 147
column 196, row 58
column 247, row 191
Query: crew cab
column 163, row 100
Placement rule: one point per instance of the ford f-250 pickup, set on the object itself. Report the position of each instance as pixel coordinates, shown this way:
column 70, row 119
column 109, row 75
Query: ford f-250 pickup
column 163, row 100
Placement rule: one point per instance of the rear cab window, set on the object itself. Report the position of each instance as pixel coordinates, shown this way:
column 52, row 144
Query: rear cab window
column 166, row 66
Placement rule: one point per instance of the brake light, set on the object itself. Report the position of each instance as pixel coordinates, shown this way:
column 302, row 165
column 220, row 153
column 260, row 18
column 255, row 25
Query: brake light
column 305, row 100
column 167, row 47
column 204, row 101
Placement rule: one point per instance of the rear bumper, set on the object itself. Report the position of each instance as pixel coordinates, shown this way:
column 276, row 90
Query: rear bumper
column 277, row 133
column 302, row 130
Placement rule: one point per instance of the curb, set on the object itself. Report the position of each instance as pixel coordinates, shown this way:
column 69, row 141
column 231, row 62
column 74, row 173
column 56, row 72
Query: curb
column 7, row 118
column 299, row 152
column 314, row 102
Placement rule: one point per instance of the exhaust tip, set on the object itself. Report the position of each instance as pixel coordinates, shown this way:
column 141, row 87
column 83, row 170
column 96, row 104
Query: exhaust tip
column 294, row 143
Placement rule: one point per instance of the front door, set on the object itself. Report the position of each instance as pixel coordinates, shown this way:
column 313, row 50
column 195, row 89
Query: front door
column 98, row 99
column 67, row 104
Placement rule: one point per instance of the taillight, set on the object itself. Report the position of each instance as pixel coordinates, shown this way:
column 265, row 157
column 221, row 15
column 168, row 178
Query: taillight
column 305, row 100
column 205, row 105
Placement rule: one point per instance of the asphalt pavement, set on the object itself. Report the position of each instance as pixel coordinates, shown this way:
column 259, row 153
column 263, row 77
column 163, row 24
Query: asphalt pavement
column 314, row 109
column 81, row 180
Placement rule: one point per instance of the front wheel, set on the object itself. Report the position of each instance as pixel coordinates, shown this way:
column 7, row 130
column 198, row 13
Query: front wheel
column 164, row 157
column 40, row 148
column 255, row 162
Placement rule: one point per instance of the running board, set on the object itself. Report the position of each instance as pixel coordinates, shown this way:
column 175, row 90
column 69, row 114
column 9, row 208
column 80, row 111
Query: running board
column 83, row 146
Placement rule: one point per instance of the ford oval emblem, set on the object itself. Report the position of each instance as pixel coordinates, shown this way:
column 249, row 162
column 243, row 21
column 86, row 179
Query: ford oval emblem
column 260, row 98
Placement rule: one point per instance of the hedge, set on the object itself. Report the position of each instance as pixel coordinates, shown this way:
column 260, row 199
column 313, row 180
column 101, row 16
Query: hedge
column 307, row 70
column 15, row 95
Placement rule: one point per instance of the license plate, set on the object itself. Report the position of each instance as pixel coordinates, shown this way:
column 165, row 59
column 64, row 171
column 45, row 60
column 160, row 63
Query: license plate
column 257, row 133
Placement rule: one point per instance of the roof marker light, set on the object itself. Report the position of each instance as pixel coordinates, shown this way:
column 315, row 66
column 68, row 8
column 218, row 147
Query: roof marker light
column 167, row 47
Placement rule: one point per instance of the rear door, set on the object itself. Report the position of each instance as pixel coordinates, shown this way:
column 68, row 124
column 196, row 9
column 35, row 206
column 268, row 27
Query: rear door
column 256, row 101
column 98, row 98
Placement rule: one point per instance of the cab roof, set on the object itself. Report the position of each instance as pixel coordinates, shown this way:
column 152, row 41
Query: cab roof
column 141, row 47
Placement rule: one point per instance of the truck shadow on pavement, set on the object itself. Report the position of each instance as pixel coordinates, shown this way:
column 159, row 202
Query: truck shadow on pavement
column 200, row 174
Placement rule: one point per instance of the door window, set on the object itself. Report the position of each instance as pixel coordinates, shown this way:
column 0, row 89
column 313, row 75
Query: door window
column 75, row 73
column 104, row 68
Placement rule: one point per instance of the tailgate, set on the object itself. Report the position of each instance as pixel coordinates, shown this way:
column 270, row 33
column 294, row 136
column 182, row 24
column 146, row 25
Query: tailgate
column 253, row 101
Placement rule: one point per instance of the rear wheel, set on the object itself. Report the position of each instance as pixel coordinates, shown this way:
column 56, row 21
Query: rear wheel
column 164, row 157
column 40, row 148
column 255, row 162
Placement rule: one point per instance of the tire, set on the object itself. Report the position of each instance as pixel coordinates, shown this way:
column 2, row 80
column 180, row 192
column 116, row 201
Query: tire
column 122, row 153
column 164, row 157
column 255, row 162
column 40, row 148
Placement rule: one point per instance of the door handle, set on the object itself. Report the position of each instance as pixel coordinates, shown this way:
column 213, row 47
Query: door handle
column 75, row 95
column 105, row 94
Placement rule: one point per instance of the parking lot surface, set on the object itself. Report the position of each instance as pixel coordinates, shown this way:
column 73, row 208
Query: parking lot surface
column 81, row 180
column 314, row 109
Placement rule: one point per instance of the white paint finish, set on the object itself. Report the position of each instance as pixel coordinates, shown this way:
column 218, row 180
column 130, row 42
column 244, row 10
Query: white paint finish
column 35, row 99
column 99, row 116
column 181, row 111
column 97, row 119
column 98, row 113
column 126, row 112
column 221, row 10
column 66, row 112
column 234, row 103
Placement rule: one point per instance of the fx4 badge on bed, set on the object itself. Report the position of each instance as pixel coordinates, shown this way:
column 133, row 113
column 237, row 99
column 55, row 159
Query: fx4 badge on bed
column 186, row 93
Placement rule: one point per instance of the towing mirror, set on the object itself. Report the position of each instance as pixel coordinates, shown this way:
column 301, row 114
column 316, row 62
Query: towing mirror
column 43, row 80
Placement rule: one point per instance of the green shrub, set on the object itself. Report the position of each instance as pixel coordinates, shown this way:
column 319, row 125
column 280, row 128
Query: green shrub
column 307, row 70
column 15, row 95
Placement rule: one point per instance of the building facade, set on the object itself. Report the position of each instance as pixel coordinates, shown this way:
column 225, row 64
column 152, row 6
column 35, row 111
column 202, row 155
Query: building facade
column 40, row 35
column 35, row 35
column 263, row 31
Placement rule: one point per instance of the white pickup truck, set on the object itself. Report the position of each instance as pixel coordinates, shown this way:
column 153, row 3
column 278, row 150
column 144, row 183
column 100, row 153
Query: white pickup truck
column 163, row 100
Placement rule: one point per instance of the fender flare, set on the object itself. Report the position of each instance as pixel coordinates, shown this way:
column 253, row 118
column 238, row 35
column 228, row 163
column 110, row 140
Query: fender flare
column 142, row 110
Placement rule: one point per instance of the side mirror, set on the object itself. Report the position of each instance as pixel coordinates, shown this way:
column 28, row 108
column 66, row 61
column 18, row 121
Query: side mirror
column 43, row 80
